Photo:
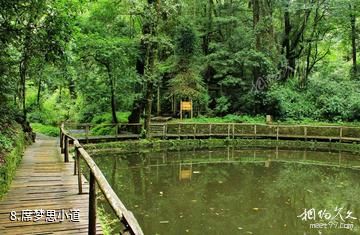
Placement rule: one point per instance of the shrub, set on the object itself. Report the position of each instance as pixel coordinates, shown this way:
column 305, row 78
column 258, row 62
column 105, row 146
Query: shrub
column 326, row 99
column 222, row 105
column 102, row 130
column 288, row 102
column 5, row 143
column 45, row 129
column 107, row 117
column 14, row 147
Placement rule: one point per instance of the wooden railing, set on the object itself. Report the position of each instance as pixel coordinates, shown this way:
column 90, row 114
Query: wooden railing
column 125, row 216
column 225, row 130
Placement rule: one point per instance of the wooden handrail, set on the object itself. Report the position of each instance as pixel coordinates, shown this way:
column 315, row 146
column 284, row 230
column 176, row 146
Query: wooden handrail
column 203, row 123
column 126, row 217
column 233, row 130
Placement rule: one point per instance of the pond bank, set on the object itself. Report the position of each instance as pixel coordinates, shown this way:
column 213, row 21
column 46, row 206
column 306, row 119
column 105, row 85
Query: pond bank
column 159, row 145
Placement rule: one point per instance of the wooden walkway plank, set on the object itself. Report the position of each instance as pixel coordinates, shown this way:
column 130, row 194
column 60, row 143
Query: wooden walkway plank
column 44, row 182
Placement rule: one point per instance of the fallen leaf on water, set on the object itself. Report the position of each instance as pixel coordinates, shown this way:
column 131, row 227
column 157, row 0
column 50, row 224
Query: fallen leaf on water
column 164, row 222
column 255, row 209
column 240, row 228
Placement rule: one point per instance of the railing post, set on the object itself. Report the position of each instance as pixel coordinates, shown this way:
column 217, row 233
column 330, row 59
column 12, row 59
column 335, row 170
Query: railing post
column 255, row 131
column 75, row 161
column 61, row 141
column 229, row 130
column 92, row 205
column 164, row 131
column 179, row 130
column 194, row 130
column 66, row 153
column 116, row 129
column 233, row 130
column 87, row 133
column 305, row 132
column 210, row 127
column 277, row 132
column 78, row 170
column 340, row 134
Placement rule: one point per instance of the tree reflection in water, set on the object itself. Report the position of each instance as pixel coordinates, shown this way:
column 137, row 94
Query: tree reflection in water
column 233, row 191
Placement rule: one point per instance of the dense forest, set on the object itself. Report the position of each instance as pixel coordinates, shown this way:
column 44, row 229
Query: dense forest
column 126, row 60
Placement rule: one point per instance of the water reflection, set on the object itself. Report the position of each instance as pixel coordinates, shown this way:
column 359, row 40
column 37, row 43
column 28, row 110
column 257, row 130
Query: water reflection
column 234, row 191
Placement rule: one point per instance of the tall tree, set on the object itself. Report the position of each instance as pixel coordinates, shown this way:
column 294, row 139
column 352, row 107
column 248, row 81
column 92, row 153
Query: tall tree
column 352, row 7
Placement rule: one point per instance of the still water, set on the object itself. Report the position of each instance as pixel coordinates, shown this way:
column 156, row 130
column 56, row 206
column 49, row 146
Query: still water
column 237, row 191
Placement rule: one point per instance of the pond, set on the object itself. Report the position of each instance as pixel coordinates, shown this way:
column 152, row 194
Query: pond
column 237, row 191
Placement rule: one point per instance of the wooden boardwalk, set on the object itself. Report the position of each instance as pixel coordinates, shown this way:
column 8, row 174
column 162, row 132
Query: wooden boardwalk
column 43, row 182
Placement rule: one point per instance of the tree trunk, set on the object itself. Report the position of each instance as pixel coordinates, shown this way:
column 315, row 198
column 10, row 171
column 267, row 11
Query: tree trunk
column 150, row 65
column 353, row 40
column 151, row 52
column 39, row 94
column 286, row 43
column 148, row 105
column 308, row 66
column 139, row 102
column 23, row 71
column 206, row 39
column 158, row 104
column 112, row 93
column 256, row 19
column 23, row 68
column 72, row 87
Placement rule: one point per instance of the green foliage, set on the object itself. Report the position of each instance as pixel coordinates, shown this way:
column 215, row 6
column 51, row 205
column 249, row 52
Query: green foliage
column 222, row 105
column 45, row 129
column 77, row 57
column 290, row 102
column 229, row 118
column 55, row 109
column 10, row 158
column 9, row 132
column 106, row 117
column 187, row 85
column 102, row 130
column 186, row 41
column 107, row 223
column 324, row 99
column 5, row 143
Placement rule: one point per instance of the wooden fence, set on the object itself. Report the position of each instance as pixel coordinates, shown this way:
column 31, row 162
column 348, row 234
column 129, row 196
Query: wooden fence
column 86, row 132
column 125, row 216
